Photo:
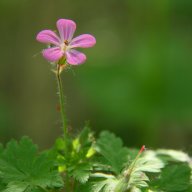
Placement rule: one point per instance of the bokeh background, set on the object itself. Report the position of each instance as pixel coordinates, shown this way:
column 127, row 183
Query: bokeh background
column 137, row 81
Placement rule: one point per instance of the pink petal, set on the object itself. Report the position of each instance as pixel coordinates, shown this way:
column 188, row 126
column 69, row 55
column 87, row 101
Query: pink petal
column 53, row 54
column 66, row 29
column 83, row 41
column 48, row 36
column 75, row 57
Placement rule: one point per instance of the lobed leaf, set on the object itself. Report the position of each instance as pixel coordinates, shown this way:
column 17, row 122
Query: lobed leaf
column 22, row 168
column 111, row 148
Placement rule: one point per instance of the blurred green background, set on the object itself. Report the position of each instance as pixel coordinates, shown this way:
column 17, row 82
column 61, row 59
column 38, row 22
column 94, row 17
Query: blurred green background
column 136, row 82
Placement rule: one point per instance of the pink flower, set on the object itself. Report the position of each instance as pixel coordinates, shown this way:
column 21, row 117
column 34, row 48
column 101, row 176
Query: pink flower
column 64, row 44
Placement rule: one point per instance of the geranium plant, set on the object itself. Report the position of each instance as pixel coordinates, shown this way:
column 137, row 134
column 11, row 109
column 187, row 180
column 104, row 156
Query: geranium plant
column 84, row 163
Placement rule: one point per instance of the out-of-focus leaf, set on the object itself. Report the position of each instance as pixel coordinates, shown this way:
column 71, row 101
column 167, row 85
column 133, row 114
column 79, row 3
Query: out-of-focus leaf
column 173, row 155
column 175, row 178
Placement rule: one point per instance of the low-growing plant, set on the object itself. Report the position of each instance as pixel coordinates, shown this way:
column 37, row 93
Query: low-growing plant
column 82, row 162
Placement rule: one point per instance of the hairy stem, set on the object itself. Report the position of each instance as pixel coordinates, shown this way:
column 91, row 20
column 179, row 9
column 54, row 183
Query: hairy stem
column 130, row 170
column 62, row 100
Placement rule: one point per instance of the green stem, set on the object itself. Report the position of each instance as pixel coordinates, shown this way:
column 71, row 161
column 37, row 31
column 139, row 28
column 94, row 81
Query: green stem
column 62, row 100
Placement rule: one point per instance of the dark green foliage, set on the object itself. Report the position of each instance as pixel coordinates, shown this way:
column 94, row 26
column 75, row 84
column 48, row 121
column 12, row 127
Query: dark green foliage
column 23, row 169
column 92, row 165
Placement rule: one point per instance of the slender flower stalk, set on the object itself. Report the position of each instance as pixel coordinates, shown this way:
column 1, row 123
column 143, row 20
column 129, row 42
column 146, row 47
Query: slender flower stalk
column 62, row 100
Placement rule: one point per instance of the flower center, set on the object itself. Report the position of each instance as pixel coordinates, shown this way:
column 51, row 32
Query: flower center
column 66, row 42
column 65, row 45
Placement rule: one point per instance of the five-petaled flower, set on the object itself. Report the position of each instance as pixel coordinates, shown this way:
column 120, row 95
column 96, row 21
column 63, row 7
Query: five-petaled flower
column 62, row 46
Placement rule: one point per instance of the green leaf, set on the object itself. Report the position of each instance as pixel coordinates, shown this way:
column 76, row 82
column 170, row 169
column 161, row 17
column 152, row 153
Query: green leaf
column 2, row 186
column 175, row 178
column 149, row 162
column 81, row 172
column 76, row 160
column 111, row 148
column 16, row 187
column 135, row 189
column 106, row 185
column 23, row 169
column 135, row 176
